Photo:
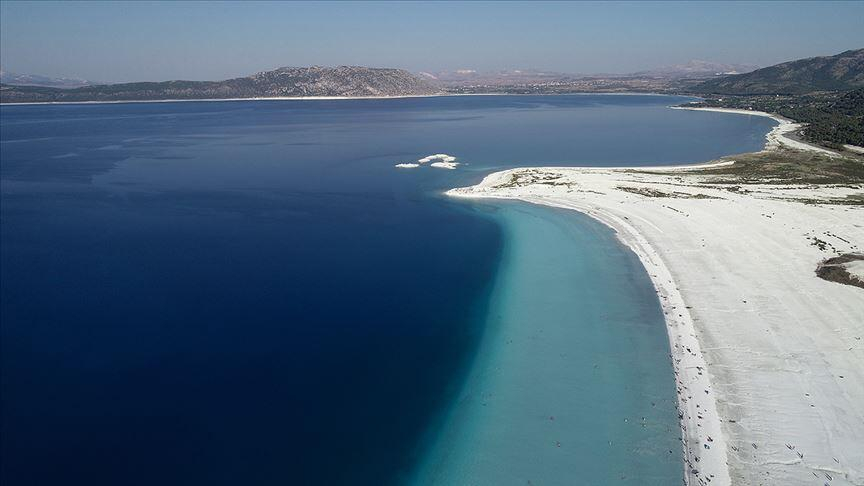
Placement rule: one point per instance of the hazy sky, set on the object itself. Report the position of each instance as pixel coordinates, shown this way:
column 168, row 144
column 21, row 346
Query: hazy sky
column 128, row 41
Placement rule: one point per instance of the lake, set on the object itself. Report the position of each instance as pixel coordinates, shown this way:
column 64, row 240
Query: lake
column 249, row 292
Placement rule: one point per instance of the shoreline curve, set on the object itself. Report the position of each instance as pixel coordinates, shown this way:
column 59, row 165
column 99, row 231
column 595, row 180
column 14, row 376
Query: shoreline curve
column 708, row 452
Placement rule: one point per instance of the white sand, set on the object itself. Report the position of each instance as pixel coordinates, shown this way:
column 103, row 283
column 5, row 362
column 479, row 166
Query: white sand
column 776, row 138
column 444, row 165
column 855, row 269
column 262, row 98
column 438, row 157
column 439, row 161
column 315, row 98
column 769, row 358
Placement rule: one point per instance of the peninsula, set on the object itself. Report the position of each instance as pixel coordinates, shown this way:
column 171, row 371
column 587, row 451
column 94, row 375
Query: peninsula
column 757, row 263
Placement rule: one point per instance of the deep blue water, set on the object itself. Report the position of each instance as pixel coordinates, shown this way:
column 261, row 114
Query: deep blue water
column 250, row 292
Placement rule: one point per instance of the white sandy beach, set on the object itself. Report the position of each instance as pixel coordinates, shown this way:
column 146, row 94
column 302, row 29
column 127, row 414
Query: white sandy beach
column 314, row 98
column 267, row 98
column 769, row 358
column 776, row 138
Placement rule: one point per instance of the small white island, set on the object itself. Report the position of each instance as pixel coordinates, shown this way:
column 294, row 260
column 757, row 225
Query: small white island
column 439, row 161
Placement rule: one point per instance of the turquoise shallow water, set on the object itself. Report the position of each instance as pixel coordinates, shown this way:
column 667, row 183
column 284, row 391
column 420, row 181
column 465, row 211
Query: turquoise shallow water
column 251, row 293
column 572, row 383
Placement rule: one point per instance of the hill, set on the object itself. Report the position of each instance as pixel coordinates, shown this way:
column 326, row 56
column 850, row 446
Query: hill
column 342, row 81
column 37, row 80
column 697, row 69
column 842, row 72
column 833, row 119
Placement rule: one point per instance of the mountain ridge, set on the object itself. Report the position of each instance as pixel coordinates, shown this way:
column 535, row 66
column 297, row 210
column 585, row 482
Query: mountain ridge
column 339, row 81
column 19, row 79
column 840, row 72
column 698, row 68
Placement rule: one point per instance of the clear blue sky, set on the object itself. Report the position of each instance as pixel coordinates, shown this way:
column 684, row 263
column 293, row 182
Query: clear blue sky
column 128, row 41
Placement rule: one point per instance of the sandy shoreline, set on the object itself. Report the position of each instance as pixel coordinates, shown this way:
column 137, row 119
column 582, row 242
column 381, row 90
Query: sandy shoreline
column 768, row 358
column 199, row 100
column 777, row 137
column 317, row 98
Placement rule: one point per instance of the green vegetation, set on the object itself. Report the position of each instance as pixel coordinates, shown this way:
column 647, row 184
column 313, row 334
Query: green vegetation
column 826, row 93
column 282, row 82
column 842, row 72
column 833, row 119
column 533, row 176
column 644, row 191
column 788, row 167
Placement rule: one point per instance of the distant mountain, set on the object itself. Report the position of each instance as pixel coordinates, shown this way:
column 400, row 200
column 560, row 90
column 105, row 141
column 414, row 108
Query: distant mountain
column 698, row 69
column 842, row 72
column 470, row 77
column 37, row 80
column 342, row 81
column 467, row 77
